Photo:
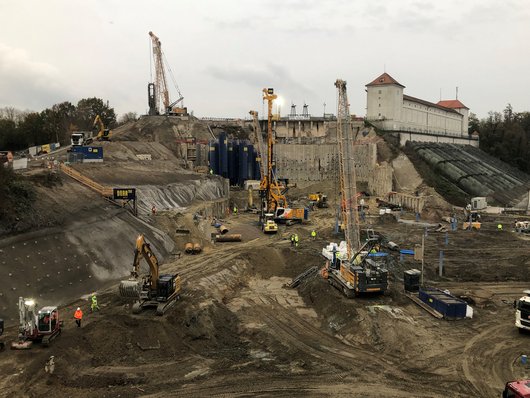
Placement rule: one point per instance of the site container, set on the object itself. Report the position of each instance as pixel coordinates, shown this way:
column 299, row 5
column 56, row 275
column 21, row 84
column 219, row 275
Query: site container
column 449, row 306
column 411, row 280
column 223, row 155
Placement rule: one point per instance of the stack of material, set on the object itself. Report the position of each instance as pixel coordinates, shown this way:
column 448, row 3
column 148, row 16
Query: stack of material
column 340, row 250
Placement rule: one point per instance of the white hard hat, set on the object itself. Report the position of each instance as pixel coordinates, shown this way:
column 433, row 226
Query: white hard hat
column 78, row 309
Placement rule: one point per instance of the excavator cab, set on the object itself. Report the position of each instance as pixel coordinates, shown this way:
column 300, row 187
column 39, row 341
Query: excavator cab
column 47, row 320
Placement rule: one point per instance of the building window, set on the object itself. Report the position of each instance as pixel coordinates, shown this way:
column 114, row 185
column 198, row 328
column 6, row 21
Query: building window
column 379, row 114
column 379, row 91
column 379, row 105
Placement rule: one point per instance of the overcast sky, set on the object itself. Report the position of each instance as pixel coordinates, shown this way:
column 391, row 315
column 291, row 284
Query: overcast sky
column 222, row 53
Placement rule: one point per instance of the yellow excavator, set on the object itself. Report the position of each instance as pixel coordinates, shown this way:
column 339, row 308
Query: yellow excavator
column 152, row 289
column 103, row 133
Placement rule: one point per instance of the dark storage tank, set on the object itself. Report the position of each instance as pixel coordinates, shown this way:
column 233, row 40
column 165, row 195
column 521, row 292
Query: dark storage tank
column 223, row 155
column 212, row 157
column 243, row 162
column 232, row 169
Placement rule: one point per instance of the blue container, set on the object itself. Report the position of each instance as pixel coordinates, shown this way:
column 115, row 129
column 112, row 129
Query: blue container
column 449, row 306
column 243, row 162
column 223, row 155
column 212, row 157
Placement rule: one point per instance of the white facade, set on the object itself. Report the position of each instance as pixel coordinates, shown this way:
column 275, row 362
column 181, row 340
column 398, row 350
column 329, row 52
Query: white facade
column 390, row 109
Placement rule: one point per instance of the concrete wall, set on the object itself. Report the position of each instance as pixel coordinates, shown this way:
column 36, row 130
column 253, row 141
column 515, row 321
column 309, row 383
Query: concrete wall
column 380, row 179
column 299, row 162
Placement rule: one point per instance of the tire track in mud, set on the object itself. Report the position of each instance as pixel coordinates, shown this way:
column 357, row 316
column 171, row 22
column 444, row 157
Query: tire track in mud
column 487, row 362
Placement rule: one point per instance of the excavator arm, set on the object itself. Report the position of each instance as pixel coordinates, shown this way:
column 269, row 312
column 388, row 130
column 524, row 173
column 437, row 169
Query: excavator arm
column 143, row 249
column 103, row 133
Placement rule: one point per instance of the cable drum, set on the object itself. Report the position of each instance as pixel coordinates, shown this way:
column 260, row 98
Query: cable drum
column 130, row 289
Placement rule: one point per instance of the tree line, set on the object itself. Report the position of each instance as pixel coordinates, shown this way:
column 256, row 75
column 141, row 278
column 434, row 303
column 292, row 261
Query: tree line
column 505, row 135
column 22, row 129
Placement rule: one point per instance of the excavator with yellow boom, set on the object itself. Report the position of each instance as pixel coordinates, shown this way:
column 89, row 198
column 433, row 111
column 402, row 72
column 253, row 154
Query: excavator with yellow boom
column 152, row 289
column 103, row 133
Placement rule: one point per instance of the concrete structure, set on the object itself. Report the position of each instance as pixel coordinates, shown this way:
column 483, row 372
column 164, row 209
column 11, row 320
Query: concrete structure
column 300, row 162
column 389, row 109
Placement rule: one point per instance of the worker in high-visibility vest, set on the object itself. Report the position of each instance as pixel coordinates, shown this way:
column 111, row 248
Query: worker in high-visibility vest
column 94, row 303
column 313, row 234
column 499, row 227
column 78, row 316
column 296, row 240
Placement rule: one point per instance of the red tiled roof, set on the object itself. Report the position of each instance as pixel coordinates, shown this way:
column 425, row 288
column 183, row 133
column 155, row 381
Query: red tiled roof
column 385, row 78
column 453, row 104
column 427, row 103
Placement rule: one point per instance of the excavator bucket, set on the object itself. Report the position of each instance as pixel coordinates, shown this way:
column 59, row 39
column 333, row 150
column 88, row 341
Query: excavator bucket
column 130, row 288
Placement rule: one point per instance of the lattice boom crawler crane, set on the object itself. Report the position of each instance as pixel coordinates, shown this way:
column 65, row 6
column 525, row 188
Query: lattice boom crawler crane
column 355, row 273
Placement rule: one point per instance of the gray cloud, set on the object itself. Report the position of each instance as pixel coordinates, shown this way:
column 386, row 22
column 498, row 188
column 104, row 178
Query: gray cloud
column 271, row 74
column 25, row 83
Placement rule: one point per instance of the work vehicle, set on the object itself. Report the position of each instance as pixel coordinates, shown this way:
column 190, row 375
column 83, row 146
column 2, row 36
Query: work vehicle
column 36, row 326
column 270, row 226
column 319, row 199
column 2, row 344
column 158, row 93
column 517, row 389
column 352, row 272
column 473, row 219
column 79, row 138
column 522, row 312
column 272, row 190
column 152, row 289
column 522, row 226
column 103, row 133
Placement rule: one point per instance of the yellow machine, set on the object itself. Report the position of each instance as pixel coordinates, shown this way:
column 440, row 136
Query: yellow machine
column 473, row 220
column 103, row 133
column 272, row 191
column 152, row 289
column 319, row 199
column 270, row 226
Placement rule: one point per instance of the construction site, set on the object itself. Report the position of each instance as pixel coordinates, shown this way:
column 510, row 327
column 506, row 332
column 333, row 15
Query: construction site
column 286, row 256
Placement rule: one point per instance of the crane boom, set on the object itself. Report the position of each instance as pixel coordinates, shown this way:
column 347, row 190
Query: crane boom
column 161, row 90
column 350, row 216
column 259, row 140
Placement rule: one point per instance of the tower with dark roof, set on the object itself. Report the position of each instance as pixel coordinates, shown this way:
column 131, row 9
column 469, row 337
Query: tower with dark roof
column 385, row 100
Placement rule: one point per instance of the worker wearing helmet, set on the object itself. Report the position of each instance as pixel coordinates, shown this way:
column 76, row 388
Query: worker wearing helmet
column 94, row 304
column 313, row 234
column 78, row 316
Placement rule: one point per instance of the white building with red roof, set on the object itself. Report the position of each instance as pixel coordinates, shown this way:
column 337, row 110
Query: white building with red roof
column 389, row 109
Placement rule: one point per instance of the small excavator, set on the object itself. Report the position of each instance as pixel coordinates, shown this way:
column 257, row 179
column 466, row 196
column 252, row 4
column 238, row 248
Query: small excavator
column 36, row 326
column 152, row 289
column 103, row 133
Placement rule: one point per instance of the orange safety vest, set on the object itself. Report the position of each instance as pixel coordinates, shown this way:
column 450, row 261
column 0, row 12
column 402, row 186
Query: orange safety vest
column 78, row 314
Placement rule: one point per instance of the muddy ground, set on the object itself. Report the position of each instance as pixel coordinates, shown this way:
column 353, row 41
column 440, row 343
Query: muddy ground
column 238, row 331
